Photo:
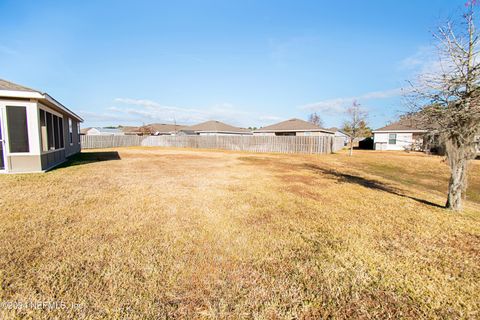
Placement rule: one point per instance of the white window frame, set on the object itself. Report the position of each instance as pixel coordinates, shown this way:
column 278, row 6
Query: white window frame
column 70, row 131
column 30, row 127
column 4, row 153
column 396, row 138
column 79, row 141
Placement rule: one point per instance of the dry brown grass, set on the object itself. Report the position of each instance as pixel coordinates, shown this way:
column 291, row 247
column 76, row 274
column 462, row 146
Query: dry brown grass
column 190, row 234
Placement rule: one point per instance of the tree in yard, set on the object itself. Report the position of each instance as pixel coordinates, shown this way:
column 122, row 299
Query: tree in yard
column 146, row 130
column 315, row 119
column 446, row 101
column 356, row 124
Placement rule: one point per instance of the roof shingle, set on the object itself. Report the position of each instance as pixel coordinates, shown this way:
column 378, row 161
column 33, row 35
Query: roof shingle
column 216, row 126
column 292, row 125
column 7, row 85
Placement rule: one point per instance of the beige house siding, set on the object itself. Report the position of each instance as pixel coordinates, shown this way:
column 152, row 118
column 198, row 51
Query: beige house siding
column 24, row 163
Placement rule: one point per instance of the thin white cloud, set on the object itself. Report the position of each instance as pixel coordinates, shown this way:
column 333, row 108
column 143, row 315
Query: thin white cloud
column 426, row 60
column 147, row 111
column 339, row 105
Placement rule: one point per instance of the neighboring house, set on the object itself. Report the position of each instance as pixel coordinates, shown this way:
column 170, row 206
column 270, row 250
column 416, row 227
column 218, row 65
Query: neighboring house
column 293, row 127
column 339, row 133
column 97, row 131
column 215, row 128
column 84, row 131
column 400, row 135
column 163, row 129
column 130, row 130
column 37, row 132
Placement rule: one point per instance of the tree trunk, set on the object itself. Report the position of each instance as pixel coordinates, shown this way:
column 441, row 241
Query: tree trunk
column 351, row 147
column 457, row 184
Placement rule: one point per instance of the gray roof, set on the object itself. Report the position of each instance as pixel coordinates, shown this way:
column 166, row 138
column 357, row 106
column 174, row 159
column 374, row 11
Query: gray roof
column 7, row 85
column 402, row 125
column 216, row 126
column 10, row 86
column 292, row 125
column 165, row 127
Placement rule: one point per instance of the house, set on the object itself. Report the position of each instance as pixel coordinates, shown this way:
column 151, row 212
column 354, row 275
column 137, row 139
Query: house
column 163, row 129
column 293, row 127
column 97, row 131
column 215, row 128
column 400, row 135
column 131, row 130
column 37, row 132
column 340, row 134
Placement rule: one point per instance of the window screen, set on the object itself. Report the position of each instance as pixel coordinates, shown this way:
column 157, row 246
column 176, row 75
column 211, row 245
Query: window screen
column 17, row 129
column 50, row 131
column 70, row 131
column 43, row 130
column 60, row 128
column 55, row 131
column 392, row 138
column 53, row 136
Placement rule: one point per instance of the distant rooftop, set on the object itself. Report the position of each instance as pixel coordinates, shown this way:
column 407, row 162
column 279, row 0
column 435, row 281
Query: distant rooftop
column 165, row 127
column 292, row 125
column 402, row 125
column 216, row 126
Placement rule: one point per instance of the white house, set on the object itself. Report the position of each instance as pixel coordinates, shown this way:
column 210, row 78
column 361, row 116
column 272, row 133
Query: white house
column 340, row 134
column 37, row 132
column 103, row 132
column 401, row 135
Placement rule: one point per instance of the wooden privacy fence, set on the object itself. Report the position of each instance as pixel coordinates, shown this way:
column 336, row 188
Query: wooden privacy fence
column 285, row 144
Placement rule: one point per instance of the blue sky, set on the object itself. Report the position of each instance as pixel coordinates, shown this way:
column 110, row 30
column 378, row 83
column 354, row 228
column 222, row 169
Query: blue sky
column 249, row 63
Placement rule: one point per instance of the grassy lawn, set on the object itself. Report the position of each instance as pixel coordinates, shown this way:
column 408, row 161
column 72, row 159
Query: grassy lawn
column 165, row 233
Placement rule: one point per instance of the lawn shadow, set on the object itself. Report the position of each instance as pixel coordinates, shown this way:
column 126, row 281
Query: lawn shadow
column 368, row 183
column 90, row 157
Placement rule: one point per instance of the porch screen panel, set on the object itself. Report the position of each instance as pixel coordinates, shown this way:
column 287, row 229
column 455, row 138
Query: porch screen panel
column 50, row 131
column 43, row 130
column 55, row 130
column 60, row 125
column 17, row 129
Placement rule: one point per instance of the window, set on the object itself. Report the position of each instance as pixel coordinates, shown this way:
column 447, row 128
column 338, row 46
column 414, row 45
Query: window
column 56, row 132
column 60, row 128
column 43, row 130
column 392, row 138
column 50, row 139
column 51, row 128
column 17, row 129
column 70, row 131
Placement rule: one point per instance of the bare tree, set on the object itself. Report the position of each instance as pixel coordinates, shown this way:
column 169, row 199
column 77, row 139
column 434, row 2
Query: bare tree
column 446, row 101
column 356, row 125
column 315, row 119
